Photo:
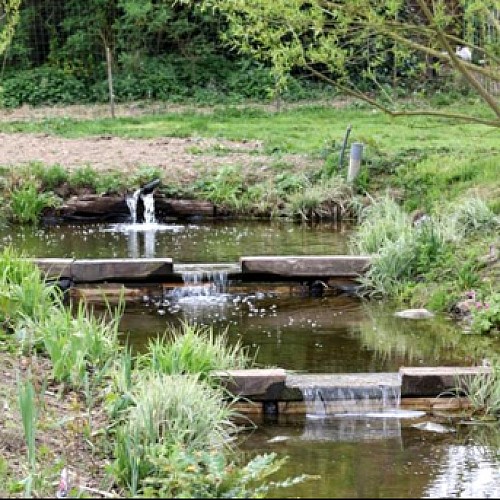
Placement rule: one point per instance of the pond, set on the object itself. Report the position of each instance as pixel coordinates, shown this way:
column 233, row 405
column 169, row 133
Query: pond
column 356, row 456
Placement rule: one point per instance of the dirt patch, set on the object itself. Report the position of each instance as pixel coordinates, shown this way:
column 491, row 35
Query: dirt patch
column 63, row 435
column 181, row 159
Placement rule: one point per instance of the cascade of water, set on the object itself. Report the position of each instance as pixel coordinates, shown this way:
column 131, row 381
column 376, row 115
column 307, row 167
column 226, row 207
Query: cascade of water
column 322, row 401
column 203, row 284
column 132, row 204
column 149, row 208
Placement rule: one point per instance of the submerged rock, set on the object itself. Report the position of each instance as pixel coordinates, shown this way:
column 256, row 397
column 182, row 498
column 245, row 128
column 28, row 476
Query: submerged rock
column 414, row 314
column 433, row 427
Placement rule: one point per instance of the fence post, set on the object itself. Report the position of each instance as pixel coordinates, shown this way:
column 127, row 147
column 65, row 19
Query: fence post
column 110, row 82
column 355, row 161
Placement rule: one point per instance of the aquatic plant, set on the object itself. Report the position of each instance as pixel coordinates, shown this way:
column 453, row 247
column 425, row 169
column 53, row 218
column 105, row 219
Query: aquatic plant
column 483, row 390
column 194, row 349
column 27, row 203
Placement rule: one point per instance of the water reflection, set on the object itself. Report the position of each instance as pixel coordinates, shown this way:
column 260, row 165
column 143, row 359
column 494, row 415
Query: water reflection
column 203, row 241
column 334, row 334
column 370, row 458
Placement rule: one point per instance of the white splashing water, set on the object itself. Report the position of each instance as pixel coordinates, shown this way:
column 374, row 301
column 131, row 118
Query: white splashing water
column 149, row 206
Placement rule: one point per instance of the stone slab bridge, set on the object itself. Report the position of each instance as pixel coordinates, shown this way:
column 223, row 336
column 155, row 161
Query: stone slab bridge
column 340, row 268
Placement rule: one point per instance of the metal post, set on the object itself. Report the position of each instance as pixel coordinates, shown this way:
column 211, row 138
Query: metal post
column 355, row 161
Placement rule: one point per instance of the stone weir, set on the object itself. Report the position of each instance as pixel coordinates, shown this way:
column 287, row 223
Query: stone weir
column 305, row 269
column 426, row 389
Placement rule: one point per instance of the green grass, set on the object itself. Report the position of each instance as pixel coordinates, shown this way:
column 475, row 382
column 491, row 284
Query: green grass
column 300, row 130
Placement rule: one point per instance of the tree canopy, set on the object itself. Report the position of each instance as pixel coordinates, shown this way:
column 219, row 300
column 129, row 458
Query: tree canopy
column 9, row 17
column 349, row 42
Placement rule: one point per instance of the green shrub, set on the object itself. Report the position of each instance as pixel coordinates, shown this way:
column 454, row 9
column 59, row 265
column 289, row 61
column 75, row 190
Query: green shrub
column 43, row 85
column 166, row 414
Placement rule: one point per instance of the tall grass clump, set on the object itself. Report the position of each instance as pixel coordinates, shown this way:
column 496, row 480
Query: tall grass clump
column 194, row 349
column 466, row 217
column 401, row 253
column 316, row 201
column 483, row 391
column 23, row 291
column 169, row 412
column 382, row 222
column 27, row 203
column 77, row 342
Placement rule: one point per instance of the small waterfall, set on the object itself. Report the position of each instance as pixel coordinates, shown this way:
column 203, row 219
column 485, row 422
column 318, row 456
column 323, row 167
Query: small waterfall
column 209, row 285
column 132, row 204
column 323, row 401
column 149, row 206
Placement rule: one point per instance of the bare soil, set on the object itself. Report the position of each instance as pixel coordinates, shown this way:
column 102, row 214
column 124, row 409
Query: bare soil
column 181, row 159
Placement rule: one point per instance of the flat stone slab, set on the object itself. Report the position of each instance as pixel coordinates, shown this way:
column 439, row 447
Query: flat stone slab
column 95, row 270
column 348, row 266
column 252, row 382
column 309, row 380
column 54, row 267
column 433, row 381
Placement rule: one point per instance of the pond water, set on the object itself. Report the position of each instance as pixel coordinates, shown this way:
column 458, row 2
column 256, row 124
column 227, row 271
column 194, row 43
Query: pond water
column 356, row 456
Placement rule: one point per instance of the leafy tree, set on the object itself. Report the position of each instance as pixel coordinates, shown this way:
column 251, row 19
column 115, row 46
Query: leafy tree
column 339, row 40
column 9, row 17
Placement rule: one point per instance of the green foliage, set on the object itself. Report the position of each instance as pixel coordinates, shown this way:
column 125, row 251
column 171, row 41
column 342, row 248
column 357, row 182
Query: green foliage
column 486, row 314
column 10, row 19
column 225, row 187
column 206, row 474
column 76, row 343
column 23, row 293
column 194, row 349
column 483, row 390
column 43, row 85
column 373, row 48
column 51, row 176
column 382, row 222
column 27, row 203
column 84, row 177
column 145, row 174
column 27, row 406
column 166, row 414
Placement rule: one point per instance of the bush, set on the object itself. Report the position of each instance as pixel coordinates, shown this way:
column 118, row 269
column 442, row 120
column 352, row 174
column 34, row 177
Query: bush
column 44, row 85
